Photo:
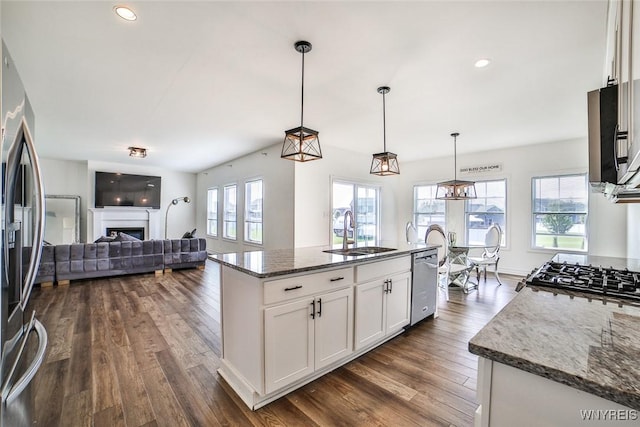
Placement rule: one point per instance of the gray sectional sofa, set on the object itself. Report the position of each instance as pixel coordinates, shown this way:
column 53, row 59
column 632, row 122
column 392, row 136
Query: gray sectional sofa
column 63, row 263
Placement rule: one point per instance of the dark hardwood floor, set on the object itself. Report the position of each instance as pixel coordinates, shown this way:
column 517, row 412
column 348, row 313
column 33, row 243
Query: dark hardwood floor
column 143, row 351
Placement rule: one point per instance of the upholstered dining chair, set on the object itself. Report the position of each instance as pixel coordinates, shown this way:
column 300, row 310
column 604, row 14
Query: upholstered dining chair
column 435, row 235
column 490, row 255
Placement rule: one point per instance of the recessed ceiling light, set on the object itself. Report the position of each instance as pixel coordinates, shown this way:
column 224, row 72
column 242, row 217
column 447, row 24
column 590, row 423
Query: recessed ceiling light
column 481, row 63
column 125, row 13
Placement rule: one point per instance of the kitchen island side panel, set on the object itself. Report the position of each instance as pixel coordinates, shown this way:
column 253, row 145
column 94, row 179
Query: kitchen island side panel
column 528, row 400
column 242, row 325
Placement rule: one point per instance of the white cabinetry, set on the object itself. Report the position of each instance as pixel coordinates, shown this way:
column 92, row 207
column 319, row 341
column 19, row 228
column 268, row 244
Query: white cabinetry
column 306, row 335
column 281, row 333
column 511, row 397
column 383, row 304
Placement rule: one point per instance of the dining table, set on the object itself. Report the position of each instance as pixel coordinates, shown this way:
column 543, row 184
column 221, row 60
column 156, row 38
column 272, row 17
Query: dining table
column 459, row 256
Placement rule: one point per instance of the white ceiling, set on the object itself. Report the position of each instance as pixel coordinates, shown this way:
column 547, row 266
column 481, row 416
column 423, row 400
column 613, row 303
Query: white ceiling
column 201, row 83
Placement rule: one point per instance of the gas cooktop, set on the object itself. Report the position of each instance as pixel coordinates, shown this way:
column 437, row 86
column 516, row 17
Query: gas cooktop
column 619, row 285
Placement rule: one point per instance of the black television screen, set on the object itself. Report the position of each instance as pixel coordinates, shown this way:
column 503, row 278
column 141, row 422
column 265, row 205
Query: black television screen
column 119, row 189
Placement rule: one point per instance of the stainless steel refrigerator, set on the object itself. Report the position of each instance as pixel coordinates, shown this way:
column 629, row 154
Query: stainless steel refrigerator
column 23, row 339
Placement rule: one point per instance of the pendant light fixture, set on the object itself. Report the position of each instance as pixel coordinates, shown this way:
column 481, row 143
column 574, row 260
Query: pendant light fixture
column 456, row 190
column 301, row 144
column 384, row 163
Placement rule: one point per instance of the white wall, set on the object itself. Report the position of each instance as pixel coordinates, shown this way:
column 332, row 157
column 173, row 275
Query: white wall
column 65, row 177
column 313, row 194
column 182, row 217
column 606, row 223
column 278, row 210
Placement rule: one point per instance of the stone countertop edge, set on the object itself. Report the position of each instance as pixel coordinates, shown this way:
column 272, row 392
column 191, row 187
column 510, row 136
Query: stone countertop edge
column 483, row 348
column 326, row 261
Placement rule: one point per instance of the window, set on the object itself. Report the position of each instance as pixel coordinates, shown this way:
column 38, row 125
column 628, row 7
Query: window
column 488, row 209
column 365, row 211
column 212, row 212
column 253, row 211
column 230, row 215
column 560, row 212
column 426, row 209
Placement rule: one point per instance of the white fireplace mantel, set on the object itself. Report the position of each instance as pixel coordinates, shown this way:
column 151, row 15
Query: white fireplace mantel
column 101, row 218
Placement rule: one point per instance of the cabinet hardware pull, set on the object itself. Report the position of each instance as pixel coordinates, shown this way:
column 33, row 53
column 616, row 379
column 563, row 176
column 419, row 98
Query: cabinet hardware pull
column 386, row 286
column 390, row 285
column 319, row 307
column 335, row 279
column 292, row 288
column 313, row 309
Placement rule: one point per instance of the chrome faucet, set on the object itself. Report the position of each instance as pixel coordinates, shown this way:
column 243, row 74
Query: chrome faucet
column 352, row 224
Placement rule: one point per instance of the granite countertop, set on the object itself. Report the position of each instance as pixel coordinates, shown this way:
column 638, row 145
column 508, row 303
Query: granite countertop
column 277, row 262
column 587, row 345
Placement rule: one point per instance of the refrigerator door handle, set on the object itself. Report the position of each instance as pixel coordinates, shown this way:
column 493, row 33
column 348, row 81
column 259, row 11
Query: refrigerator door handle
column 9, row 395
column 38, row 213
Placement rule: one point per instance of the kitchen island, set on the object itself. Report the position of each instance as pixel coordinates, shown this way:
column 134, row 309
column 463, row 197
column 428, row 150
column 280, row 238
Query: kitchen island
column 290, row 316
column 553, row 359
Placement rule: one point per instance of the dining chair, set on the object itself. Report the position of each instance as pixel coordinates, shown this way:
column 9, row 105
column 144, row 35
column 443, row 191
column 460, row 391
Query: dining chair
column 411, row 233
column 490, row 254
column 435, row 235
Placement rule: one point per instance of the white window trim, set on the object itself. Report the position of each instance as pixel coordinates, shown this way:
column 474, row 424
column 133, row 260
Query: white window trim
column 363, row 183
column 245, row 221
column 224, row 200
column 413, row 205
column 538, row 249
column 505, row 231
column 214, row 236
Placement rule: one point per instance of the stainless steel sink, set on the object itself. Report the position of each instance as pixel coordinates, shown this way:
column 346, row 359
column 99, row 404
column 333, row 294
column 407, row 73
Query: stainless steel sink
column 366, row 250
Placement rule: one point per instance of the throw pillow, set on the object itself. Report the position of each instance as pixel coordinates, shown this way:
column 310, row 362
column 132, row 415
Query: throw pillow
column 104, row 239
column 124, row 237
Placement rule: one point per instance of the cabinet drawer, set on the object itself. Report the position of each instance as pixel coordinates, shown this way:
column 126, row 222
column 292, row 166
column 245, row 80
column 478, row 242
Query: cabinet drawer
column 385, row 268
column 307, row 284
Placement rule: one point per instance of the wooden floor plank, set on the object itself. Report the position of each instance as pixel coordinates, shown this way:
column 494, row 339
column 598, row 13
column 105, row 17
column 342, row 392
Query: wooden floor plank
column 143, row 350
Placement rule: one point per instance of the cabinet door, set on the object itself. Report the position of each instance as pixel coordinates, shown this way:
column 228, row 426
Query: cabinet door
column 370, row 321
column 398, row 302
column 333, row 327
column 288, row 343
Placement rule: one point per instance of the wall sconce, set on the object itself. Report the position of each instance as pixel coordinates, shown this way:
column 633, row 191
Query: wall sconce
column 166, row 215
column 138, row 152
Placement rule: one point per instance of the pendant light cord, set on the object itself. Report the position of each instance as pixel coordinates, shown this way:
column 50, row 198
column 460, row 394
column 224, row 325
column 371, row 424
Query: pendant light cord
column 302, row 98
column 455, row 160
column 384, row 123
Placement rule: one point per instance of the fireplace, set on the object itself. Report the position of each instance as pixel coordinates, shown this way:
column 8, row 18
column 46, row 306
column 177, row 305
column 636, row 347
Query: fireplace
column 137, row 232
column 123, row 219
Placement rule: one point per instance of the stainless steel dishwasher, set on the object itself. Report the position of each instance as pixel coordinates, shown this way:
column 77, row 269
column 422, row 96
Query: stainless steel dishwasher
column 424, row 282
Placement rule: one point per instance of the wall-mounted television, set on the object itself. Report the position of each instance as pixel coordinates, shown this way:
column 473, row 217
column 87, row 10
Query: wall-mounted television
column 120, row 189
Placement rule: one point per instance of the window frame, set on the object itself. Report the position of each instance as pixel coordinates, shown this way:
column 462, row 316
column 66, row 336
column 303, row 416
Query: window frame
column 466, row 213
column 216, row 231
column 355, row 185
column 416, row 214
column 535, row 212
column 247, row 221
column 224, row 212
